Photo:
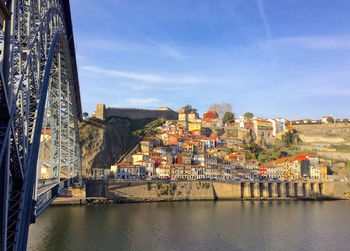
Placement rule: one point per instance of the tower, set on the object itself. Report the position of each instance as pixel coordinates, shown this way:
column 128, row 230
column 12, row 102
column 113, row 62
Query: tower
column 100, row 111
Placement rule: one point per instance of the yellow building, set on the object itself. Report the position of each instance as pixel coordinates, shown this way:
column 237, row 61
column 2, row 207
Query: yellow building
column 188, row 148
column 185, row 119
column 139, row 157
column 323, row 172
column 195, row 126
column 183, row 116
column 192, row 116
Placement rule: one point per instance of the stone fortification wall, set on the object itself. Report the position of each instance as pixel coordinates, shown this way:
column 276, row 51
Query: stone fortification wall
column 321, row 139
column 131, row 113
column 333, row 155
column 339, row 129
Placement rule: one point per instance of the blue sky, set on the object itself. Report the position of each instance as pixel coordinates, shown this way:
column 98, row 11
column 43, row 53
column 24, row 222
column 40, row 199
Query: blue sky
column 275, row 58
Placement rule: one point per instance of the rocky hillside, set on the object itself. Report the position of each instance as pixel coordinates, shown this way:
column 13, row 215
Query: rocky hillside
column 329, row 141
column 104, row 142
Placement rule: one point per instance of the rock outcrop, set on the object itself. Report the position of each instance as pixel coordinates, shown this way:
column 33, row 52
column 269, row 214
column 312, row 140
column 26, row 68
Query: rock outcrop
column 104, row 142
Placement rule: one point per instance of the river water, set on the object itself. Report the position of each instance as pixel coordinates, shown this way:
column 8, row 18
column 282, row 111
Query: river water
column 205, row 225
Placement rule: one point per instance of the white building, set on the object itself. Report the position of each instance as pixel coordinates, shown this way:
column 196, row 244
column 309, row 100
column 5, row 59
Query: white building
column 129, row 172
column 139, row 157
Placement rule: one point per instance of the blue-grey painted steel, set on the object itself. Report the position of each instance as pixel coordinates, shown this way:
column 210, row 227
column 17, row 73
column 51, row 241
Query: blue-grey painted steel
column 49, row 195
column 39, row 92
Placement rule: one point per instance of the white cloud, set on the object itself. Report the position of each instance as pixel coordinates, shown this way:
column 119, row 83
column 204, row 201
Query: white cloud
column 264, row 19
column 148, row 47
column 315, row 42
column 148, row 78
column 165, row 49
column 325, row 91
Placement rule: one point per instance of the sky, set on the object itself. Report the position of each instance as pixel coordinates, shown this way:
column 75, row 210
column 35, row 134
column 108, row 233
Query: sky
column 274, row 58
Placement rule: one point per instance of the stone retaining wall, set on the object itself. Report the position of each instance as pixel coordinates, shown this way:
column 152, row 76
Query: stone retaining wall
column 210, row 190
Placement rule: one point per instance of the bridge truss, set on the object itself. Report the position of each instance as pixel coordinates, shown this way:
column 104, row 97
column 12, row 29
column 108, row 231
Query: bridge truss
column 39, row 112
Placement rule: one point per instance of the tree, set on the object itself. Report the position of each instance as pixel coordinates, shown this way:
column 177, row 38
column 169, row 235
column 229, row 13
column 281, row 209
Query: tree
column 85, row 115
column 189, row 109
column 219, row 131
column 221, row 109
column 248, row 115
column 330, row 120
column 229, row 116
column 284, row 154
column 290, row 139
column 253, row 150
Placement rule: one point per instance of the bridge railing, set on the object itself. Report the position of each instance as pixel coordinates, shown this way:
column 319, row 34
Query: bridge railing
column 46, row 182
column 48, row 196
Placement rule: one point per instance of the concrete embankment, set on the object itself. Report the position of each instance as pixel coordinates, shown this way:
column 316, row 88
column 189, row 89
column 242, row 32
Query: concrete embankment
column 77, row 196
column 141, row 191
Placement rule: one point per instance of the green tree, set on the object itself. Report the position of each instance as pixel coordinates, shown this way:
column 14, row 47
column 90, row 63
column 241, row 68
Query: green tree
column 253, row 149
column 189, row 108
column 291, row 139
column 248, row 115
column 348, row 164
column 229, row 116
column 263, row 158
column 219, row 131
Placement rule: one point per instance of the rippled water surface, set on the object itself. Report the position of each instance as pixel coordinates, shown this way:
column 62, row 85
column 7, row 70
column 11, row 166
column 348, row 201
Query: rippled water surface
column 223, row 225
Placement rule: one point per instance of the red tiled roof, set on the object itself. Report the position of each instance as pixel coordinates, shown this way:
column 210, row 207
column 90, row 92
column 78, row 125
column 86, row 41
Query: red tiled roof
column 304, row 156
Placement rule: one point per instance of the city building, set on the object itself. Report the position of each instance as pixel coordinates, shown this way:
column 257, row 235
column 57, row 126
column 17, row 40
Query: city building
column 210, row 116
column 126, row 171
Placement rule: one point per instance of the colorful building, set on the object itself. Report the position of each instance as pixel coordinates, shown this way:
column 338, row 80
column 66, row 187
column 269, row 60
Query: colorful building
column 195, row 127
column 210, row 116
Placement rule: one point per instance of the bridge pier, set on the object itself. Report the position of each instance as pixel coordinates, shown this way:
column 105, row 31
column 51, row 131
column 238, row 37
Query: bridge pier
column 321, row 188
column 317, row 188
column 264, row 190
column 254, row 190
column 246, row 190
column 274, row 190
column 306, row 190
column 295, row 190
column 284, row 192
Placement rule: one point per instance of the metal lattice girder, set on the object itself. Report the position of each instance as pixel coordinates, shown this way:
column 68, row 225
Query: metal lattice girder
column 39, row 92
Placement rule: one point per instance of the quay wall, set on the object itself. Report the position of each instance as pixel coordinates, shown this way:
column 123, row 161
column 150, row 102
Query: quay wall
column 211, row 190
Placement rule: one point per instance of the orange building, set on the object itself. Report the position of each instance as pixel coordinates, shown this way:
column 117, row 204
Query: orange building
column 173, row 139
column 209, row 116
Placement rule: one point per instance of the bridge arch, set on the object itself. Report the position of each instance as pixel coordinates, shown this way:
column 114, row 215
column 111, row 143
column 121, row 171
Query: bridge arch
column 39, row 91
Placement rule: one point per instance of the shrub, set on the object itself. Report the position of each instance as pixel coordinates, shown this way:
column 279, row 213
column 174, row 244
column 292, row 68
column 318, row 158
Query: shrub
column 149, row 186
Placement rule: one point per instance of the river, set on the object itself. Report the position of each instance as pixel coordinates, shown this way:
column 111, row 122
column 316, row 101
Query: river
column 202, row 225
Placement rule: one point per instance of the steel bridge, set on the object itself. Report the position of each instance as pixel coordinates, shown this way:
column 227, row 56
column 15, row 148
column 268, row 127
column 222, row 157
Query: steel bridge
column 39, row 112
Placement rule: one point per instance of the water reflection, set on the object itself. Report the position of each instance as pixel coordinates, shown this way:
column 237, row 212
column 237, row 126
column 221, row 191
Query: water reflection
column 223, row 225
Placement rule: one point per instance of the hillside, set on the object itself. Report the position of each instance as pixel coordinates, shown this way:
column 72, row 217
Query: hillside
column 104, row 142
column 330, row 142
